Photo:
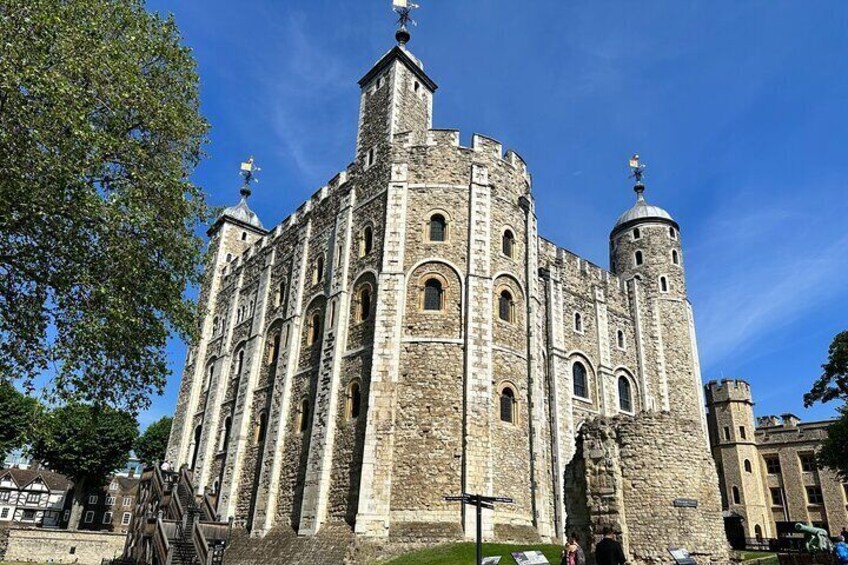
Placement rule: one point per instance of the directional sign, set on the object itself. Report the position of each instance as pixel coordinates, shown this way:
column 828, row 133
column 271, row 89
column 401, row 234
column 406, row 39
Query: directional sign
column 501, row 499
column 454, row 498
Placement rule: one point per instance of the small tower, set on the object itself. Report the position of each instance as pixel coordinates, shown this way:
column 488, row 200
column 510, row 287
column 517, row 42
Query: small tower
column 730, row 418
column 235, row 229
column 645, row 251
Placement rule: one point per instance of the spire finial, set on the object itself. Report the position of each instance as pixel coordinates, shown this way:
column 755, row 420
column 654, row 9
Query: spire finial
column 403, row 9
column 638, row 169
column 248, row 171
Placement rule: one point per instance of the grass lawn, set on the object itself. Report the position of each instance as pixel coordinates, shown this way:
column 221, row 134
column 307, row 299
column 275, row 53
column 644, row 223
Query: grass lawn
column 463, row 554
column 749, row 555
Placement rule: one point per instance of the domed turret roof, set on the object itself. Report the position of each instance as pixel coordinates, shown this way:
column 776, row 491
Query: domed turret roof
column 241, row 212
column 642, row 211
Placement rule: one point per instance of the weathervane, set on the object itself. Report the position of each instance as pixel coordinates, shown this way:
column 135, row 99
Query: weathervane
column 248, row 171
column 403, row 9
column 638, row 172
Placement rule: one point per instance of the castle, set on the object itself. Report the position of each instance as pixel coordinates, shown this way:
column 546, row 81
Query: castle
column 407, row 334
column 767, row 468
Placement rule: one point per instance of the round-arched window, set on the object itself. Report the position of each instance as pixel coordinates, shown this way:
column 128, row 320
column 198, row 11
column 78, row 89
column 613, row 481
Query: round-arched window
column 354, row 400
column 433, row 294
column 506, row 309
column 625, row 394
column 508, row 244
column 364, row 303
column 578, row 372
column 437, row 228
column 507, row 401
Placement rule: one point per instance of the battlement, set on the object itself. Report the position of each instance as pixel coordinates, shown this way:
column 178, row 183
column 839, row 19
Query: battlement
column 580, row 271
column 728, row 390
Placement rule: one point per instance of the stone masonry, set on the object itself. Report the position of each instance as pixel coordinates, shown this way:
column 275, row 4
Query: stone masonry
column 406, row 334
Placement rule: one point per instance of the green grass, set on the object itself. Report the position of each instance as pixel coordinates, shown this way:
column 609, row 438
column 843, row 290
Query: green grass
column 749, row 555
column 463, row 554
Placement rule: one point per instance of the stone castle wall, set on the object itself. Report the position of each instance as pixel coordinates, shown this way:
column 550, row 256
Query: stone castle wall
column 39, row 545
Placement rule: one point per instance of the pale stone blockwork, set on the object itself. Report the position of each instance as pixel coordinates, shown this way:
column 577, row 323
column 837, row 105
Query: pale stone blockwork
column 406, row 334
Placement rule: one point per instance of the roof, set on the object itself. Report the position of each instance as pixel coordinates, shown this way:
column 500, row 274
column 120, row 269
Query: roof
column 642, row 212
column 24, row 477
column 406, row 57
column 242, row 213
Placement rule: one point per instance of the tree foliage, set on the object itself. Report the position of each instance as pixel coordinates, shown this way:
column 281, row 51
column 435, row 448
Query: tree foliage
column 833, row 382
column 151, row 445
column 85, row 442
column 99, row 130
column 19, row 414
column 833, row 385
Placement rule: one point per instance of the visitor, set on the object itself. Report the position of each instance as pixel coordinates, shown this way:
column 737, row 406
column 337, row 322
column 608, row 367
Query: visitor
column 166, row 466
column 573, row 553
column 608, row 551
column 840, row 550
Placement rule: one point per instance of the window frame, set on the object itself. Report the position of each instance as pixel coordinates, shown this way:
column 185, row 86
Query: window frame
column 442, row 287
column 512, row 396
column 508, row 244
column 772, row 462
column 428, row 226
column 818, row 494
column 126, row 518
column 366, row 240
column 92, row 499
column 620, row 341
column 110, row 501
column 806, row 457
column 664, row 286
column 353, row 400
column 506, row 306
column 107, row 518
column 88, row 517
column 578, row 323
column 638, row 258
column 363, row 314
column 630, row 400
column 585, row 384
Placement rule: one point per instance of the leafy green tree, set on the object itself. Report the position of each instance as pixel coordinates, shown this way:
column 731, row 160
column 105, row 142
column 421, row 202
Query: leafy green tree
column 833, row 385
column 100, row 129
column 19, row 414
column 86, row 443
column 151, row 445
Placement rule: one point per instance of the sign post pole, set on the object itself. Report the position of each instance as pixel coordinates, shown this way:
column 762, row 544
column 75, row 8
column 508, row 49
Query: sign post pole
column 479, row 530
column 479, row 501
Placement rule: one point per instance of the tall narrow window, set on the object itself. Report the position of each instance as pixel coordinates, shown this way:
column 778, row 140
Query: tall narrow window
column 636, row 233
column 225, row 434
column 663, row 284
column 209, row 375
column 215, row 325
column 638, row 257
column 367, row 241
column 508, row 243
column 625, row 398
column 274, row 350
column 318, row 273
column 240, row 364
column 619, row 336
column 433, row 295
column 675, row 258
column 314, row 328
column 507, row 405
column 437, row 227
column 303, row 415
column 578, row 372
column 281, row 294
column 578, row 322
column 727, row 433
column 261, row 428
column 364, row 303
column 748, row 468
column 737, row 499
column 742, row 433
column 505, row 307
column 672, row 233
column 354, row 400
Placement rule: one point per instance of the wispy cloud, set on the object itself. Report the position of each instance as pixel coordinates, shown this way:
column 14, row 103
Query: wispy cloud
column 768, row 271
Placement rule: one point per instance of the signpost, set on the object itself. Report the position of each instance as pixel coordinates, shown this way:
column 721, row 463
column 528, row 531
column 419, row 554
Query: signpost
column 479, row 501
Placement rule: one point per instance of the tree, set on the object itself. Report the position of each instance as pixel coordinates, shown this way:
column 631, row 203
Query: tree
column 100, row 129
column 86, row 443
column 833, row 385
column 20, row 412
column 151, row 445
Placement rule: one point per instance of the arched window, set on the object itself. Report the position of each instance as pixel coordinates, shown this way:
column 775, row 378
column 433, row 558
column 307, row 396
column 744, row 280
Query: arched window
column 433, row 294
column 240, row 364
column 364, row 303
column 354, row 400
column 198, row 432
column 437, row 228
column 274, row 350
column 758, row 532
column 314, row 329
column 508, row 405
column 367, row 241
column 229, row 257
column 243, row 235
column 663, row 284
column 210, row 374
column 625, row 397
column 578, row 372
column 506, row 307
column 215, row 325
column 748, row 468
column 737, row 499
column 636, row 233
column 619, row 336
column 318, row 272
column 225, row 434
column 674, row 257
column 261, row 428
column 508, row 243
column 279, row 300
column 638, row 257
column 672, row 233
column 303, row 415
column 578, row 322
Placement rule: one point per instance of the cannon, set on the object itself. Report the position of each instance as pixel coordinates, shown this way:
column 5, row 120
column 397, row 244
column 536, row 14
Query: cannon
column 818, row 542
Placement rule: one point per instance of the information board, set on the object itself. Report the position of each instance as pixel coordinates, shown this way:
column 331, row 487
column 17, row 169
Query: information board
column 530, row 558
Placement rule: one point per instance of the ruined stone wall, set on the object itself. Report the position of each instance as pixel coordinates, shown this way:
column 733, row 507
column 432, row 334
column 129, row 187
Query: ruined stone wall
column 635, row 468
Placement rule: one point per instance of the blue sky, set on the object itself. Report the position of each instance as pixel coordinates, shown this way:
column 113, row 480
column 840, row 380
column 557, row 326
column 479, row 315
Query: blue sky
column 740, row 110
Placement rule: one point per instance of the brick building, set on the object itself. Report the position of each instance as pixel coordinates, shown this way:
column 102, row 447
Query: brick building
column 109, row 508
column 767, row 468
column 407, row 334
